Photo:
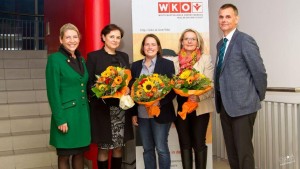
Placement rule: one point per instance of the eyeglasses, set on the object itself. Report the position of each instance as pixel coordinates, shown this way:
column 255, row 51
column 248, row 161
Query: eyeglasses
column 190, row 39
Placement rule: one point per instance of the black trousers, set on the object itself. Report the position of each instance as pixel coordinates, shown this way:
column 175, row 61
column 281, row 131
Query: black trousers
column 192, row 130
column 238, row 133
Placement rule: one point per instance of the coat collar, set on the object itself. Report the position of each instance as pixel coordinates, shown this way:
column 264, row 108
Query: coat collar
column 69, row 59
column 157, row 65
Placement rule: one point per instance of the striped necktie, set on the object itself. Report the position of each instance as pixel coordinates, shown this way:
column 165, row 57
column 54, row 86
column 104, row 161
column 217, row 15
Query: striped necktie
column 220, row 61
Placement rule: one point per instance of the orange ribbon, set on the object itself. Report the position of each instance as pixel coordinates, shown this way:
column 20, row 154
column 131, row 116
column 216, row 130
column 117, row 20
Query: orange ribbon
column 189, row 106
column 151, row 109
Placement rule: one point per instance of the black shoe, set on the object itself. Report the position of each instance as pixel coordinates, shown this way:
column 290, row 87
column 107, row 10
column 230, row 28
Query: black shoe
column 116, row 162
column 103, row 164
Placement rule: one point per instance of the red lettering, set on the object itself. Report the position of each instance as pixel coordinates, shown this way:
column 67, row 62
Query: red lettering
column 163, row 7
column 179, row 7
column 186, row 7
column 175, row 7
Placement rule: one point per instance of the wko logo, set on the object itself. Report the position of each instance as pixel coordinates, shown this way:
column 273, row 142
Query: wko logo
column 180, row 7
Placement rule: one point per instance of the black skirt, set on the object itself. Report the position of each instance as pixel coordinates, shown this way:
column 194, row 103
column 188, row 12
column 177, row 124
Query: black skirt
column 71, row 151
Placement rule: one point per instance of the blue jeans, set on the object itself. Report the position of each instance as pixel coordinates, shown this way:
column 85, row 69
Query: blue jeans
column 155, row 135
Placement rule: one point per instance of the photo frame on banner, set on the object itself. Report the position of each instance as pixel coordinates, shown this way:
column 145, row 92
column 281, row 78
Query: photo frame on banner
column 168, row 19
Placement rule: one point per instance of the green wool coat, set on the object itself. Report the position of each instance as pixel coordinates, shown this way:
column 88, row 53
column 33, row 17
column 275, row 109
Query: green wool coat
column 66, row 90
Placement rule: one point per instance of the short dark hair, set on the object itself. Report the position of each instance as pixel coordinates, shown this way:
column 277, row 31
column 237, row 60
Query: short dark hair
column 225, row 6
column 111, row 27
column 159, row 52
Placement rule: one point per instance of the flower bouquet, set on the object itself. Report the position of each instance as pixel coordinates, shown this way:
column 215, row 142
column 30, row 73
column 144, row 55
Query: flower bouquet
column 112, row 83
column 147, row 90
column 190, row 82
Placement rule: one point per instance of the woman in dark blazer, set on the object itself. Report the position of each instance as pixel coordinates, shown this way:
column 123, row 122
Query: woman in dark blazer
column 154, row 131
column 111, row 126
column 66, row 79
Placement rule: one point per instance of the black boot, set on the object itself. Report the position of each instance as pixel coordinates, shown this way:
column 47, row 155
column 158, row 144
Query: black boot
column 116, row 162
column 187, row 159
column 103, row 164
column 201, row 158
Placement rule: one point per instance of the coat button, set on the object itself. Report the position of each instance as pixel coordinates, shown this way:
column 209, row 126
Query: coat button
column 73, row 103
column 83, row 97
column 81, row 84
column 82, row 91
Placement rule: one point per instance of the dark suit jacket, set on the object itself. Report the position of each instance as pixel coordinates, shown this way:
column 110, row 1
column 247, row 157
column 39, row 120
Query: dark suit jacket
column 163, row 67
column 243, row 78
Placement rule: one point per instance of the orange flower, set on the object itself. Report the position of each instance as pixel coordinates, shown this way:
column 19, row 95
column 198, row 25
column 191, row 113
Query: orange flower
column 139, row 93
column 118, row 80
column 154, row 90
column 101, row 80
column 172, row 82
column 110, row 68
column 197, row 75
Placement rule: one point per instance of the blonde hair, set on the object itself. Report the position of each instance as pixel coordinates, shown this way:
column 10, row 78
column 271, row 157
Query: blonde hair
column 199, row 39
column 68, row 26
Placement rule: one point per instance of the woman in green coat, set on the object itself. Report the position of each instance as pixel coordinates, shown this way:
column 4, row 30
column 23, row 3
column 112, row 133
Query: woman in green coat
column 66, row 79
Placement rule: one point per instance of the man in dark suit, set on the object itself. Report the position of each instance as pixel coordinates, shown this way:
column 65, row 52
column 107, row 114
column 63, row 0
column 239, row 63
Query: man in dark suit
column 241, row 82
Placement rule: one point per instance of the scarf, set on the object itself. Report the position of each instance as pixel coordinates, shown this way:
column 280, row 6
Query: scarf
column 187, row 61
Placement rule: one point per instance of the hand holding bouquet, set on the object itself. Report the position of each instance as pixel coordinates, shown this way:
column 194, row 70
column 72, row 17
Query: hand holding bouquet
column 190, row 82
column 112, row 83
column 148, row 90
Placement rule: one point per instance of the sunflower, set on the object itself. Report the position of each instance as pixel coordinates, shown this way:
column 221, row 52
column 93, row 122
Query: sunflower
column 147, row 86
column 185, row 74
column 118, row 80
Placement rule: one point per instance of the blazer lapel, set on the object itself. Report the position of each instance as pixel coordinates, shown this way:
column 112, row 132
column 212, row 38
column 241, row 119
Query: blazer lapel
column 217, row 57
column 157, row 65
column 139, row 68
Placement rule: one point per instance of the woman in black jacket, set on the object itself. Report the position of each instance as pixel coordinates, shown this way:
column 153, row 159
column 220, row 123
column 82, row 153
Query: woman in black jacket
column 111, row 126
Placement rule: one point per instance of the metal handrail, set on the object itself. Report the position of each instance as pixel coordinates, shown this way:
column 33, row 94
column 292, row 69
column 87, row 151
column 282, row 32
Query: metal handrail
column 283, row 89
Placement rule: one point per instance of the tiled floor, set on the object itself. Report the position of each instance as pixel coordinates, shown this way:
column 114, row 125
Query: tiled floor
column 220, row 164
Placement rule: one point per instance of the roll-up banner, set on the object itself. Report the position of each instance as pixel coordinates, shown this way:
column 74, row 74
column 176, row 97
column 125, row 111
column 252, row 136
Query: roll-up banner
column 168, row 19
